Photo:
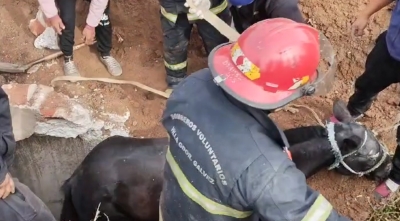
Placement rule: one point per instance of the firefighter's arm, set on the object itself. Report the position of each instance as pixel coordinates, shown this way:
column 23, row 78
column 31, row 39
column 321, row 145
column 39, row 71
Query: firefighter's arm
column 285, row 196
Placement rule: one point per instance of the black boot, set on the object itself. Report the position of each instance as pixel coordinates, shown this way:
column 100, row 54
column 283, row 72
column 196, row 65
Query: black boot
column 173, row 81
column 360, row 102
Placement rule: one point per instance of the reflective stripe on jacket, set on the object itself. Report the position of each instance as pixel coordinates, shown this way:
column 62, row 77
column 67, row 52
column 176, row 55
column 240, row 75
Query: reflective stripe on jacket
column 319, row 211
column 192, row 17
column 191, row 192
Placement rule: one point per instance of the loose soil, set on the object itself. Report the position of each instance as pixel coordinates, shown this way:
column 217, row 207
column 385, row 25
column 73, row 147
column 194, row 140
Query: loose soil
column 140, row 55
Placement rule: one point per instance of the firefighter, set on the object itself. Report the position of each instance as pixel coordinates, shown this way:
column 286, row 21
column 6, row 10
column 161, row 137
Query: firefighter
column 247, row 12
column 226, row 158
column 98, row 26
column 177, row 23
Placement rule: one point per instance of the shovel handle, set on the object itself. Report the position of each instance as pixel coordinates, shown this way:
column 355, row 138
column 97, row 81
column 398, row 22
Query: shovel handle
column 52, row 56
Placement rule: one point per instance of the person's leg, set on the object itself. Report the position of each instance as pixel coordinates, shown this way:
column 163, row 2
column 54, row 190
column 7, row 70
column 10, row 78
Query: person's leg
column 395, row 172
column 212, row 37
column 67, row 15
column 285, row 9
column 392, row 184
column 24, row 205
column 104, row 43
column 381, row 70
column 43, row 213
column 176, row 36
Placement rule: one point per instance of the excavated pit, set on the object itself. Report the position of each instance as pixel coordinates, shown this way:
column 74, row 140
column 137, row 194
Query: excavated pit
column 43, row 163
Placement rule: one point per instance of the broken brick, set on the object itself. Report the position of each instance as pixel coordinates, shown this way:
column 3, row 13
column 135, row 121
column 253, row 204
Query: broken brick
column 36, row 27
column 56, row 114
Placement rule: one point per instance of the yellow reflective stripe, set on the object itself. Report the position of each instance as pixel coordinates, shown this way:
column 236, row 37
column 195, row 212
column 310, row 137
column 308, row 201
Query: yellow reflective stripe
column 171, row 17
column 191, row 17
column 319, row 211
column 216, row 10
column 191, row 192
column 175, row 67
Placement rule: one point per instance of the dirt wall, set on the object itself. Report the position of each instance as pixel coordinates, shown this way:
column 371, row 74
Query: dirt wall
column 44, row 163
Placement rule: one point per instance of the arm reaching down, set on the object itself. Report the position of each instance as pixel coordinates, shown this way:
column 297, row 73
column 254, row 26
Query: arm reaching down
column 357, row 28
column 49, row 8
column 96, row 11
column 50, row 11
column 375, row 5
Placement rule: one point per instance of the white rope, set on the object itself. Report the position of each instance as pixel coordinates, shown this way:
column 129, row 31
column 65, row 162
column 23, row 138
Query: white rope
column 339, row 159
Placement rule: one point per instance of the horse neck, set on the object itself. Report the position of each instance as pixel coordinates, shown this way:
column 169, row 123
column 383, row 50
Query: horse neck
column 312, row 156
column 302, row 134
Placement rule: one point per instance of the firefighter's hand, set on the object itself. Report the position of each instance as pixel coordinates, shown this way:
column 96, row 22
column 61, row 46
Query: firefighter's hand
column 57, row 24
column 199, row 7
column 358, row 26
column 7, row 187
column 88, row 35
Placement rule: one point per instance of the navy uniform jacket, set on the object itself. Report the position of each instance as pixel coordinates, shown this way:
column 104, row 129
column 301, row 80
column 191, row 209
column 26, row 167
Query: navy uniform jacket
column 245, row 16
column 226, row 162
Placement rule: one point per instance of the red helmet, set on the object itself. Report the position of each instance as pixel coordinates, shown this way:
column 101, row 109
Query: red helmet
column 274, row 62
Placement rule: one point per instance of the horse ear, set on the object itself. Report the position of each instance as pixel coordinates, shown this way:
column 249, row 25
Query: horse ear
column 341, row 112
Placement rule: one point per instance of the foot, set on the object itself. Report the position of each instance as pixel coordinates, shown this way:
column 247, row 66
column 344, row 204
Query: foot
column 70, row 68
column 113, row 67
column 386, row 188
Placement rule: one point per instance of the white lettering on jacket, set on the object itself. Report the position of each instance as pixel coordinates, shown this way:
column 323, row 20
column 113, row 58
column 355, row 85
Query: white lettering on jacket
column 205, row 143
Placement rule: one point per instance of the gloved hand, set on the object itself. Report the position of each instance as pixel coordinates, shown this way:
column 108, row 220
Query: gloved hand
column 200, row 6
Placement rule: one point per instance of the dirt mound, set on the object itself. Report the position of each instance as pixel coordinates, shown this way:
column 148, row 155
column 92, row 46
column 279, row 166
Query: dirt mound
column 141, row 57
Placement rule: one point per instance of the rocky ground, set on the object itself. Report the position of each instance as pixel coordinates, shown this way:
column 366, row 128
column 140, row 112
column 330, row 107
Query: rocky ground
column 141, row 57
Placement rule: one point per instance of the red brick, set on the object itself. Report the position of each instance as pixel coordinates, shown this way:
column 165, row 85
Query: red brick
column 20, row 94
column 54, row 102
column 36, row 27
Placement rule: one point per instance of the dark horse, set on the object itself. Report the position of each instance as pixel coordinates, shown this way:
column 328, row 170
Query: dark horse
column 126, row 174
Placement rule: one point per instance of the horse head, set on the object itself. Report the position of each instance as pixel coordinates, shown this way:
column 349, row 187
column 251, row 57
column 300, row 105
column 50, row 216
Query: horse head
column 356, row 149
